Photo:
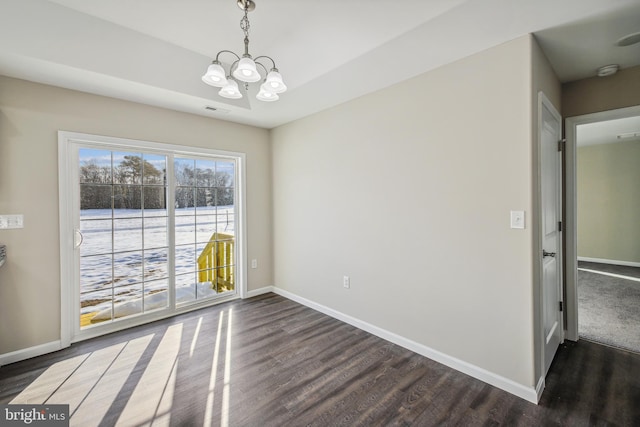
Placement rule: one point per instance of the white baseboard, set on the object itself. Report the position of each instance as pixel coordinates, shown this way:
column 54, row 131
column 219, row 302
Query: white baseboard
column 261, row 291
column 609, row 261
column 540, row 388
column 28, row 353
column 528, row 393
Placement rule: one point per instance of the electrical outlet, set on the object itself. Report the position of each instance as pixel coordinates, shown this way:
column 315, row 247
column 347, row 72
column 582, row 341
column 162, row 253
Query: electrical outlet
column 11, row 221
column 346, row 282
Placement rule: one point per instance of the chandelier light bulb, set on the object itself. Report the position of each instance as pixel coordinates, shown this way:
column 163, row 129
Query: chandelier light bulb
column 215, row 75
column 231, row 90
column 267, row 96
column 274, row 82
column 246, row 70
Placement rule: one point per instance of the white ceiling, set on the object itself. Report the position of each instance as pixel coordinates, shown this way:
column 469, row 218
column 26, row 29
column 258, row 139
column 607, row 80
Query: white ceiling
column 329, row 51
column 607, row 132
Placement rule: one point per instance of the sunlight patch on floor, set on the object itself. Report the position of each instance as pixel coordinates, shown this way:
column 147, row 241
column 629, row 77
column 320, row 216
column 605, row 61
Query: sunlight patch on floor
column 88, row 383
column 94, row 383
column 208, row 416
column 619, row 276
column 195, row 337
column 153, row 394
column 224, row 416
column 78, row 386
column 39, row 391
column 99, row 400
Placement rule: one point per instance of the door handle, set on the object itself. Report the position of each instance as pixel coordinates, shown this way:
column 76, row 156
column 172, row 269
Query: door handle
column 78, row 239
column 546, row 254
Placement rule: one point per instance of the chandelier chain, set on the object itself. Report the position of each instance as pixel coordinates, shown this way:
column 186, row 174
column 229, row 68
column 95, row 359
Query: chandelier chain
column 244, row 23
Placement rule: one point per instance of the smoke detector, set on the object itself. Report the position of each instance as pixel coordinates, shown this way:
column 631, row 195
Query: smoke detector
column 608, row 70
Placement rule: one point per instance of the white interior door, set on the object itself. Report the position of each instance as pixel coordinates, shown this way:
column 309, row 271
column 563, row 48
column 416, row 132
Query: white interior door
column 551, row 214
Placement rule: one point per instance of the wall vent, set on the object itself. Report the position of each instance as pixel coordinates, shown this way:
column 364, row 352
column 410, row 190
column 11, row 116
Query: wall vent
column 216, row 109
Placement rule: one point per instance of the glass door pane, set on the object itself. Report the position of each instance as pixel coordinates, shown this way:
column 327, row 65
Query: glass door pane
column 204, row 232
column 124, row 225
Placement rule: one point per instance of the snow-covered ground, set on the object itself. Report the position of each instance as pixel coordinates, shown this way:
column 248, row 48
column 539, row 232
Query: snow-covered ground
column 124, row 255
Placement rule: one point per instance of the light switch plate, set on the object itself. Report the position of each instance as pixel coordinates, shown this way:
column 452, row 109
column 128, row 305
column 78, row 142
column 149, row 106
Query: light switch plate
column 517, row 219
column 11, row 221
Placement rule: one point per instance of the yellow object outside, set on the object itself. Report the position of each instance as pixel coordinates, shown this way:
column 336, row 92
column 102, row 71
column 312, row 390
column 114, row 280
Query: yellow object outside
column 216, row 262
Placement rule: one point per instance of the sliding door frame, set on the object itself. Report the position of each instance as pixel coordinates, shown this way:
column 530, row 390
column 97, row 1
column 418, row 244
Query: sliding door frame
column 69, row 206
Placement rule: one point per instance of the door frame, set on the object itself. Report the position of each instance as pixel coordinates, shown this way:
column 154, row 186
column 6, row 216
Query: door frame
column 571, row 208
column 67, row 207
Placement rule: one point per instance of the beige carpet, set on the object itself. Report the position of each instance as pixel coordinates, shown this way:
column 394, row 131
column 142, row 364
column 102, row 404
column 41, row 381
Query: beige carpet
column 609, row 305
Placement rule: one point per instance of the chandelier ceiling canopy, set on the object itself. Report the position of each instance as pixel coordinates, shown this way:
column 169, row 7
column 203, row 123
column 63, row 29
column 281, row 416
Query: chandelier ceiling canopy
column 245, row 69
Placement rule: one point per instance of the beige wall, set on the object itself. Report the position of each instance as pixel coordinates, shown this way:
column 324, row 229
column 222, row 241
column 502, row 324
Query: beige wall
column 601, row 93
column 408, row 191
column 608, row 177
column 30, row 116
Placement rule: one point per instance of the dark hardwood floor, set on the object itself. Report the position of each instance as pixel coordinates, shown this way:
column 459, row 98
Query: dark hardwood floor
column 268, row 361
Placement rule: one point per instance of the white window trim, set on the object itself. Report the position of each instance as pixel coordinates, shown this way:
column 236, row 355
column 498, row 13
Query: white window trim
column 67, row 176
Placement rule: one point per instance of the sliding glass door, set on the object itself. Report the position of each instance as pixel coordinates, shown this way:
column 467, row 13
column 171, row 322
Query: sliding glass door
column 155, row 232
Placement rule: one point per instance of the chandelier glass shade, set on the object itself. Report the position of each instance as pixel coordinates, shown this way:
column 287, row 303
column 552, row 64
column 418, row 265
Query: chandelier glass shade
column 267, row 96
column 215, row 75
column 245, row 69
column 230, row 90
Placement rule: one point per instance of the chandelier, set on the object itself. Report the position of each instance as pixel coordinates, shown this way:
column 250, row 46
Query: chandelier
column 245, row 69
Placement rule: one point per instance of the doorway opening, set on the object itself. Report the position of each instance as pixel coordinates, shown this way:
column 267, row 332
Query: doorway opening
column 603, row 231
